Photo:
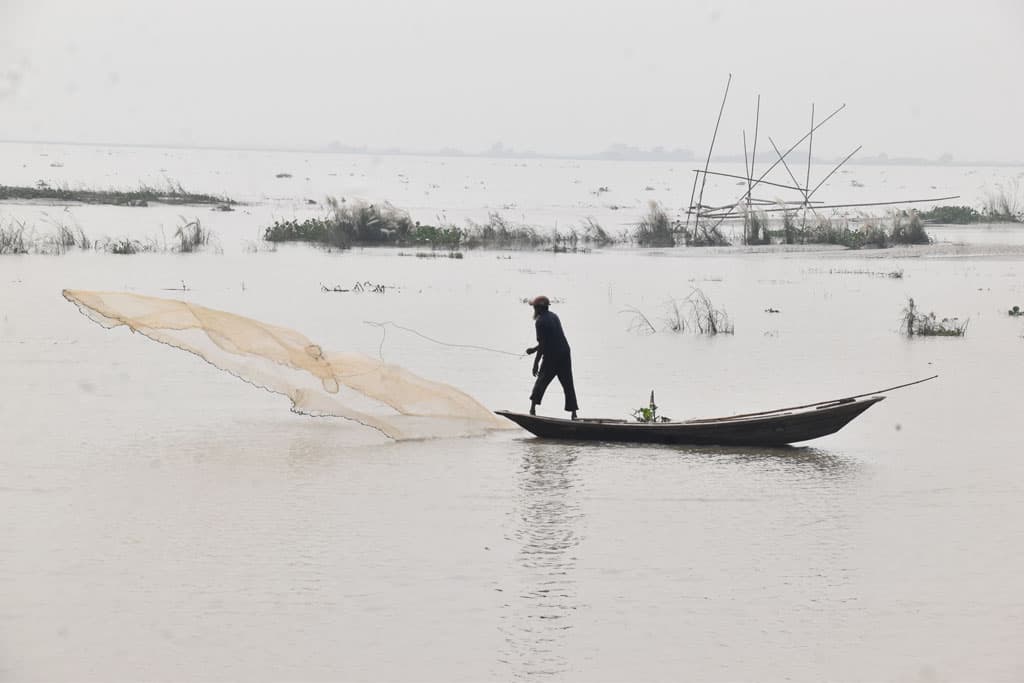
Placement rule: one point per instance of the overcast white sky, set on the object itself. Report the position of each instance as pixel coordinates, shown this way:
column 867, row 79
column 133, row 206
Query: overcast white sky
column 919, row 78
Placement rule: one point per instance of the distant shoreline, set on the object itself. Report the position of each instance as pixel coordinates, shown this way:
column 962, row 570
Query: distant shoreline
column 608, row 155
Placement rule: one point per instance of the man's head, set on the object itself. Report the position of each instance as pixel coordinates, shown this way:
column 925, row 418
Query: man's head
column 540, row 304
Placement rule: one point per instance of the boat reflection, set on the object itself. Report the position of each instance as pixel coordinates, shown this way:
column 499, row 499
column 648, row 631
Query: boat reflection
column 541, row 591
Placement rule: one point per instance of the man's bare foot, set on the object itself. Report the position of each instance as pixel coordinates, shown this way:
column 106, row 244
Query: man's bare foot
column 533, row 409
column 574, row 416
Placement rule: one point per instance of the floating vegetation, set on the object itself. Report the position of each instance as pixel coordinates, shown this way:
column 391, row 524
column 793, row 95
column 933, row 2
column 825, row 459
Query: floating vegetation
column 124, row 246
column 358, row 288
column 951, row 215
column 892, row 274
column 283, row 175
column 367, row 225
column 914, row 323
column 904, row 228
column 433, row 254
column 173, row 193
column 1015, row 312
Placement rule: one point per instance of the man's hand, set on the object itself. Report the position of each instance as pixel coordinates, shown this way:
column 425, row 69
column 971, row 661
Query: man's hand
column 532, row 350
column 535, row 371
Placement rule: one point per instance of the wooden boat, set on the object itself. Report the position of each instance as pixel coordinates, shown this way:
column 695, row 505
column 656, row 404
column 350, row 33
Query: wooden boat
column 769, row 428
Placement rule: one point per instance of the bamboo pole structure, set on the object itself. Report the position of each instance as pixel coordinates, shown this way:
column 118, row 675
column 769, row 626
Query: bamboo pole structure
column 711, row 148
column 784, row 155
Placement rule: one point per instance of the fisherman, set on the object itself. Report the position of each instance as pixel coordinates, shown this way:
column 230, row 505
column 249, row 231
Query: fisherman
column 553, row 357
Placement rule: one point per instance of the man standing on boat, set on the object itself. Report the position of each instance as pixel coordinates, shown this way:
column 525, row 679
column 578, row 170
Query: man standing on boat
column 553, row 357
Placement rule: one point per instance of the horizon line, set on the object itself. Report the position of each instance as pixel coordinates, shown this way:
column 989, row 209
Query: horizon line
column 608, row 154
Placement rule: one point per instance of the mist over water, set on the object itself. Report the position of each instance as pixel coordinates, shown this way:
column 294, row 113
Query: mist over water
column 162, row 520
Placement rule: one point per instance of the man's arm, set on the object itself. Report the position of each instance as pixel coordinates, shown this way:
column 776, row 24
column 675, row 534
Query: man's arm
column 539, row 348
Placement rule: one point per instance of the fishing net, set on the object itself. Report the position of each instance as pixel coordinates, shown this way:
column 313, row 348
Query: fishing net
column 348, row 385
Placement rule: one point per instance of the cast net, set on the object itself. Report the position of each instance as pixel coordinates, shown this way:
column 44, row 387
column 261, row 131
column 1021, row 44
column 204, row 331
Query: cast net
column 347, row 385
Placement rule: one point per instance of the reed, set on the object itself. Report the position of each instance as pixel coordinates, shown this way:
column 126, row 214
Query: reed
column 13, row 238
column 655, row 229
column 1004, row 204
column 191, row 236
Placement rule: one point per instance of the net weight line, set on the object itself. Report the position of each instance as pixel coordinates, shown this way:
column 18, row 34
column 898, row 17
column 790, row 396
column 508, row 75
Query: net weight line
column 388, row 323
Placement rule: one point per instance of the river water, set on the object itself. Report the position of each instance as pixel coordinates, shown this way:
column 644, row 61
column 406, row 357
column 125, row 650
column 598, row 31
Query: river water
column 161, row 520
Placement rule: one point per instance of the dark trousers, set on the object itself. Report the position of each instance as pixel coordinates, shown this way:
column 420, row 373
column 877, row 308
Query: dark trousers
column 560, row 367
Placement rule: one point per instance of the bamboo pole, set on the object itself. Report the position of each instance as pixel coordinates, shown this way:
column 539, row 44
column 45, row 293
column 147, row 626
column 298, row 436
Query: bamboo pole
column 830, row 173
column 807, row 183
column 792, row 177
column 711, row 148
column 821, row 403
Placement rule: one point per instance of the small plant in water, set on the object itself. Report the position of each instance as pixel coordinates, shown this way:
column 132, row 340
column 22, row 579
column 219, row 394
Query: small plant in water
column 1015, row 312
column 649, row 413
column 914, row 323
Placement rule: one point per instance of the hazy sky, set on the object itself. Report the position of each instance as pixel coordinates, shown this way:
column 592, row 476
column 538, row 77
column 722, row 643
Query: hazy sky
column 919, row 78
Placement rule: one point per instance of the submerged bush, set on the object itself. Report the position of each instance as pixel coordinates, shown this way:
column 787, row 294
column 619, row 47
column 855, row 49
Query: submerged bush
column 908, row 228
column 914, row 323
column 655, row 229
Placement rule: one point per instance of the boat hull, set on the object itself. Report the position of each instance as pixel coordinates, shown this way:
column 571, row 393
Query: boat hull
column 762, row 429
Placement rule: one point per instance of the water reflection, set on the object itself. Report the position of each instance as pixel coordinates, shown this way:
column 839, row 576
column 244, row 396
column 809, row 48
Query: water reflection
column 541, row 594
column 825, row 462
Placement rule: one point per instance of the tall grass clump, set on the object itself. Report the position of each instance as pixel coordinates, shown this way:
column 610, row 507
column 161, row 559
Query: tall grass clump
column 65, row 239
column 13, row 239
column 914, row 323
column 705, row 233
column 191, row 236
column 499, row 233
column 594, row 234
column 696, row 313
column 1004, row 204
column 349, row 224
column 654, row 229
column 706, row 318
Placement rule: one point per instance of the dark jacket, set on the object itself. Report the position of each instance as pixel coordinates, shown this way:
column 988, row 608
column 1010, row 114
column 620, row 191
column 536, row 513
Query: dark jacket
column 551, row 341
